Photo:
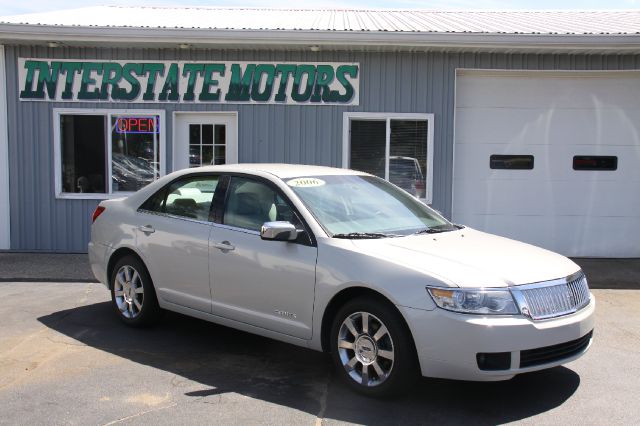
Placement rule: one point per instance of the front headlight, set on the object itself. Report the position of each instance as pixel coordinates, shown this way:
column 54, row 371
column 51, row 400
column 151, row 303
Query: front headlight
column 474, row 301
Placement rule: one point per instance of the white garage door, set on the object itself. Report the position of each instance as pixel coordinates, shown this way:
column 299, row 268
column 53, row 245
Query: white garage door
column 581, row 134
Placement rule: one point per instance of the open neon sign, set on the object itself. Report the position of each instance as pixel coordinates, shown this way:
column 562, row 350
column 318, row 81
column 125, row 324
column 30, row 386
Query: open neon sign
column 138, row 125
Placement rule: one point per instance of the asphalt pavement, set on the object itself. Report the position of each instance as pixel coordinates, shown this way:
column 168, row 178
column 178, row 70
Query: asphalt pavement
column 66, row 359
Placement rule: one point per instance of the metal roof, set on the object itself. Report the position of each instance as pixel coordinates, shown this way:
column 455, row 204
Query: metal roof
column 584, row 31
column 428, row 21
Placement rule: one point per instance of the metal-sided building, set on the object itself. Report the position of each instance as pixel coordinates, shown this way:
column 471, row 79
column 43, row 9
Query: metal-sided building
column 524, row 124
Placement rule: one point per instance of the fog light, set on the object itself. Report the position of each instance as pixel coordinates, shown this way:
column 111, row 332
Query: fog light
column 494, row 361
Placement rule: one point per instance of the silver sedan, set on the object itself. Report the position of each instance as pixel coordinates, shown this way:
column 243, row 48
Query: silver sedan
column 344, row 262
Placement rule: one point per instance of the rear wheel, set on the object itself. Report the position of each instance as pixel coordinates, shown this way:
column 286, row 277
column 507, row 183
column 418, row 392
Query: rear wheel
column 132, row 293
column 372, row 348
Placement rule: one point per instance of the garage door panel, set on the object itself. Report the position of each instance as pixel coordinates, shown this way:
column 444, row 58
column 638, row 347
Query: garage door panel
column 567, row 235
column 550, row 162
column 574, row 212
column 508, row 91
column 593, row 199
column 554, row 198
column 472, row 161
column 502, row 197
column 548, row 126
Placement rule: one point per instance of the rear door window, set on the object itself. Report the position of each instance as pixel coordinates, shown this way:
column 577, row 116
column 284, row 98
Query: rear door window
column 189, row 197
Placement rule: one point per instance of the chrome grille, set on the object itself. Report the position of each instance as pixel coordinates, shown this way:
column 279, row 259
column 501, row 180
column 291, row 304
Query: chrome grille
column 554, row 298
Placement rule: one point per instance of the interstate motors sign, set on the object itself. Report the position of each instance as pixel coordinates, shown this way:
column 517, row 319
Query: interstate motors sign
column 290, row 83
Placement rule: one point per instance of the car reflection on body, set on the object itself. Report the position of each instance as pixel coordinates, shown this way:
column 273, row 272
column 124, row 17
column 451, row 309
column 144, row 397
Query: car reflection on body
column 343, row 262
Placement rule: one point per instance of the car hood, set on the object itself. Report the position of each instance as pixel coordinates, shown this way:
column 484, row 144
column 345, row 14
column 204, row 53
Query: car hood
column 470, row 258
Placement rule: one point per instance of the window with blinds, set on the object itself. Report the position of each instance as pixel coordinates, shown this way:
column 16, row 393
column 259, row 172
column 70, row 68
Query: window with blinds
column 406, row 145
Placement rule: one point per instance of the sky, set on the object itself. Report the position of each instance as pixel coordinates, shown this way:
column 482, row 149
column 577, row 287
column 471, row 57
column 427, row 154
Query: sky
column 13, row 7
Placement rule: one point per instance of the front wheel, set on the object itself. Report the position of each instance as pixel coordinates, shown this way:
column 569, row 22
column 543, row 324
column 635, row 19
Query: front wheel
column 372, row 348
column 132, row 293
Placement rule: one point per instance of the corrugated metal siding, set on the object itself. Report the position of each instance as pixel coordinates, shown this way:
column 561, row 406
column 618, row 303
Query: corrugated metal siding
column 389, row 82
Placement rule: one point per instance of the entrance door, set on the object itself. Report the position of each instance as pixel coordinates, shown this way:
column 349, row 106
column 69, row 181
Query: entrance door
column 204, row 139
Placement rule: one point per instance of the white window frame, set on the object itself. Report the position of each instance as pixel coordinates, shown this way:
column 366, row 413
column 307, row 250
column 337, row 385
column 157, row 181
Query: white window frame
column 232, row 139
column 388, row 116
column 108, row 113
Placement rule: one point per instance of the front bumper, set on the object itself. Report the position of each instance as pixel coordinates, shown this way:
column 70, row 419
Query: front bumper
column 448, row 343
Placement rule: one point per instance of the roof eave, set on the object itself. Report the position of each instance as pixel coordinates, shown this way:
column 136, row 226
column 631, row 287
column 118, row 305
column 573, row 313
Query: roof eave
column 219, row 38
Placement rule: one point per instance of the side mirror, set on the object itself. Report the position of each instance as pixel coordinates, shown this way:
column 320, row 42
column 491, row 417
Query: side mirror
column 278, row 231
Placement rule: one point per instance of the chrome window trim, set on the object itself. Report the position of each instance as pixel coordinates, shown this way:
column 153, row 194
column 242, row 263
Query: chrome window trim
column 235, row 228
column 173, row 216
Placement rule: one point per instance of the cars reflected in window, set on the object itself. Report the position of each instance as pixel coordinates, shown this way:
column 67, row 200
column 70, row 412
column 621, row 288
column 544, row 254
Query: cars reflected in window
column 190, row 198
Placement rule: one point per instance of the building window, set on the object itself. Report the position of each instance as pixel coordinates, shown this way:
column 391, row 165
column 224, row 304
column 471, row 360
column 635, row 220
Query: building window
column 135, row 160
column 595, row 162
column 207, row 144
column 100, row 153
column 83, row 153
column 511, row 162
column 395, row 147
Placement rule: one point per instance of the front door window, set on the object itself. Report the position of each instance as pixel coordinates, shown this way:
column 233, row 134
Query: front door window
column 204, row 139
column 207, row 144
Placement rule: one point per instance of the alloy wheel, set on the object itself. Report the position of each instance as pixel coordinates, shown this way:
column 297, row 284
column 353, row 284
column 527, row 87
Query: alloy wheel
column 128, row 291
column 365, row 349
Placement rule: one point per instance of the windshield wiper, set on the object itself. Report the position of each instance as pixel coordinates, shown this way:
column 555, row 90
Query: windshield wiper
column 364, row 235
column 436, row 230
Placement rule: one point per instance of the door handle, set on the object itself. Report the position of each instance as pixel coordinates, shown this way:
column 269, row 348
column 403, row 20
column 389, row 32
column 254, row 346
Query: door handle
column 147, row 229
column 225, row 246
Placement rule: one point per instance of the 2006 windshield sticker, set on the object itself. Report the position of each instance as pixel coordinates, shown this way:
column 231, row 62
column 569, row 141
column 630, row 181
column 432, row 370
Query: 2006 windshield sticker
column 305, row 182
column 289, row 83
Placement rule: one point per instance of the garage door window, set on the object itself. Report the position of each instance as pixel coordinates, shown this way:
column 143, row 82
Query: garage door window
column 99, row 153
column 595, row 162
column 395, row 148
column 511, row 162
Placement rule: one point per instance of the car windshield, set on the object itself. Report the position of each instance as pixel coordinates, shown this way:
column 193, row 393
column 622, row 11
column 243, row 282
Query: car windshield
column 352, row 206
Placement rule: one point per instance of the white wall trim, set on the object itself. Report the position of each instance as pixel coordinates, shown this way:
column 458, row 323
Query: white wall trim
column 385, row 40
column 108, row 112
column 388, row 116
column 519, row 73
column 5, row 207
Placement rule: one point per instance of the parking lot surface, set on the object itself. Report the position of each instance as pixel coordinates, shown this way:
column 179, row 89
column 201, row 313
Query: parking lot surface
column 66, row 358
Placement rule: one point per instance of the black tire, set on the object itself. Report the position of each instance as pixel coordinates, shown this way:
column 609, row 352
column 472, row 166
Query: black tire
column 134, row 307
column 400, row 373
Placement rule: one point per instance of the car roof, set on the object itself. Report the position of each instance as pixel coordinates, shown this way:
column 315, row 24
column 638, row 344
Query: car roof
column 282, row 171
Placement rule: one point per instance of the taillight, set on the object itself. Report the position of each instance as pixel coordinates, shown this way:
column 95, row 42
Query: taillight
column 97, row 212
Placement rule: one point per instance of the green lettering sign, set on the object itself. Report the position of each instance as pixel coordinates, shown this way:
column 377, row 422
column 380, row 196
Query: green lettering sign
column 286, row 83
column 285, row 70
column 341, row 74
column 191, row 71
column 112, row 74
column 87, row 92
column 209, row 69
column 268, row 72
column 70, row 69
column 240, row 83
column 301, row 71
column 152, row 70
column 46, row 77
